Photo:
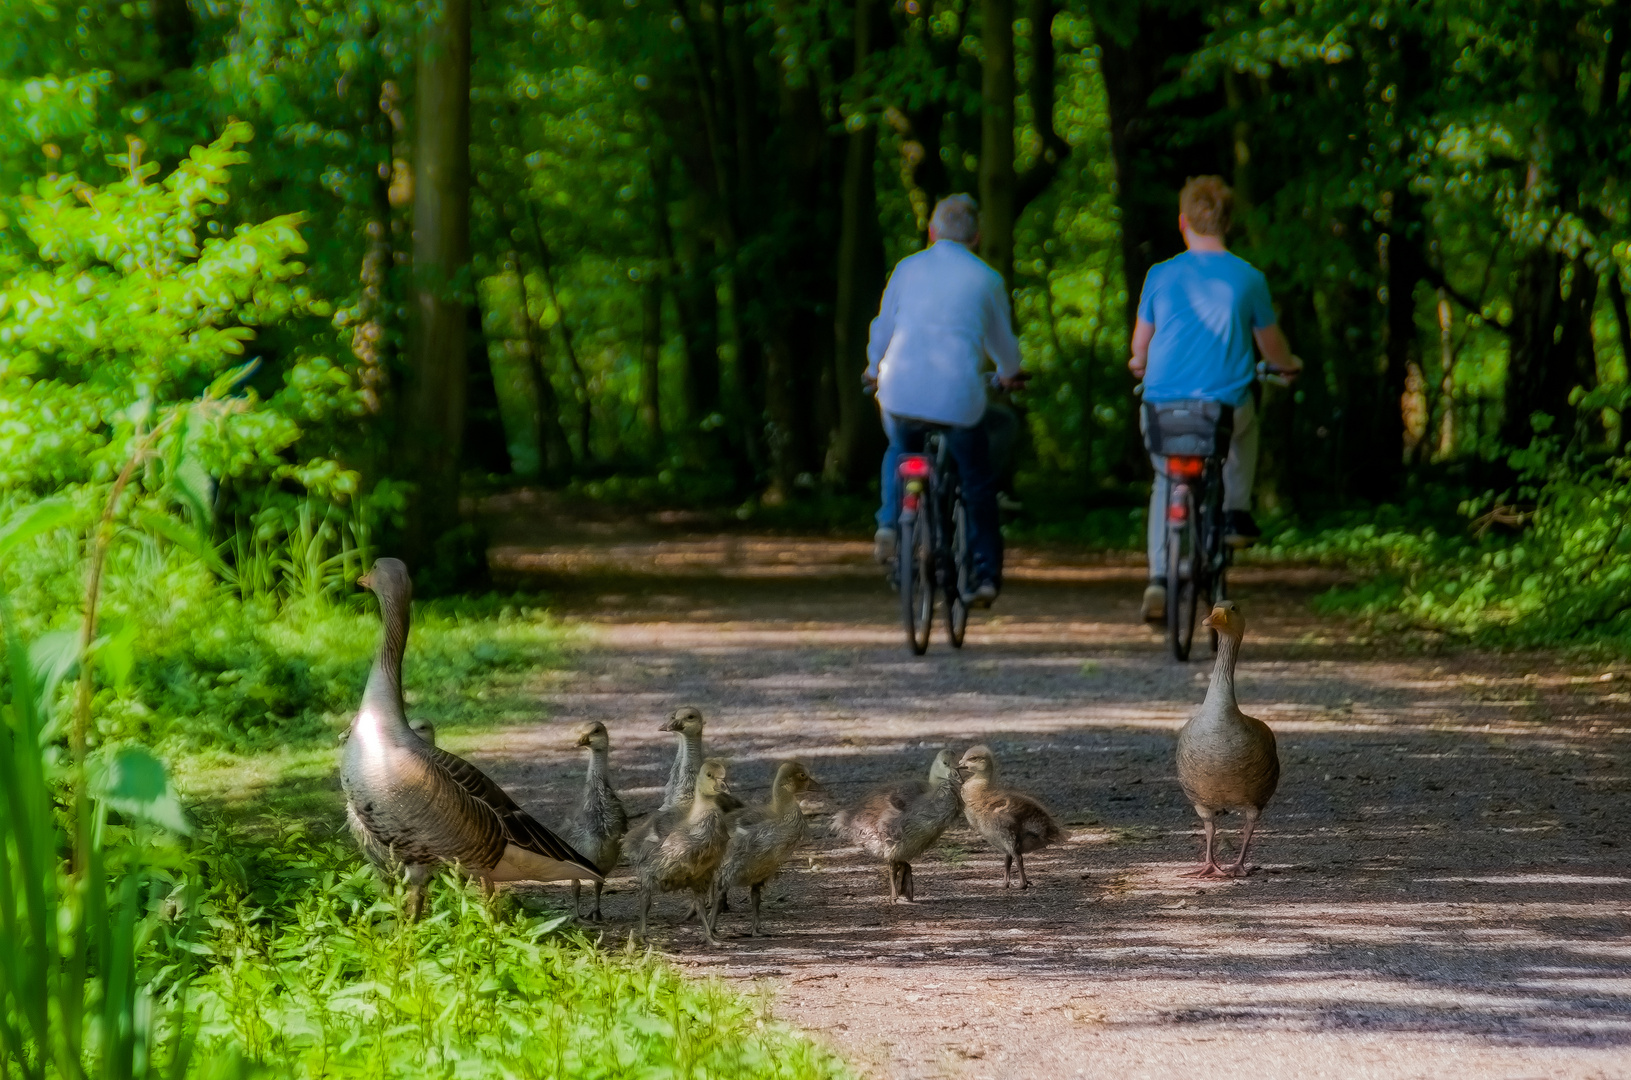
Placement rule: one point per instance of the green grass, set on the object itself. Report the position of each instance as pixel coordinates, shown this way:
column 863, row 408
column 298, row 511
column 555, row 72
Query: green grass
column 309, row 970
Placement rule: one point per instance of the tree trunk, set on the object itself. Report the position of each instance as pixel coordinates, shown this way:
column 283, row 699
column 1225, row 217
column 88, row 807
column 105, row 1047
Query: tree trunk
column 484, row 448
column 651, row 354
column 554, row 451
column 997, row 137
column 1535, row 317
column 1039, row 88
column 434, row 399
column 1402, row 268
column 860, row 283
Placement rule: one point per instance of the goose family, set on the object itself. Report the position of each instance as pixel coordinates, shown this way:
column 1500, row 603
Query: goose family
column 414, row 807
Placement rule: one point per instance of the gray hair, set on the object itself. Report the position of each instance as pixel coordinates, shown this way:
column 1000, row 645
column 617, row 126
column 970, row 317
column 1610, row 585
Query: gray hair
column 956, row 217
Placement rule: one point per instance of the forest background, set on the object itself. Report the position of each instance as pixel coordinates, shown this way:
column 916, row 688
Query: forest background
column 283, row 282
column 631, row 249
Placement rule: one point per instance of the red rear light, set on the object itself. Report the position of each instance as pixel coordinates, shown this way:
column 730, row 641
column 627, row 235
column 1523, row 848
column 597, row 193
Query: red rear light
column 1185, row 468
column 1178, row 512
column 915, row 467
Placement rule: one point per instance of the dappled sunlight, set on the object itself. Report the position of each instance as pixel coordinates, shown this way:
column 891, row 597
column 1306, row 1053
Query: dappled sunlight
column 1442, row 865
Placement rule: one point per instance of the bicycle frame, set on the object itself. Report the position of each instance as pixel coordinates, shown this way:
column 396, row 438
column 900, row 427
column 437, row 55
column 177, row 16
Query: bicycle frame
column 931, row 550
column 1197, row 559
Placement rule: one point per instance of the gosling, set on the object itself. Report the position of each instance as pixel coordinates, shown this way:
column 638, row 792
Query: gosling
column 680, row 849
column 763, row 837
column 899, row 822
column 1011, row 822
column 598, row 827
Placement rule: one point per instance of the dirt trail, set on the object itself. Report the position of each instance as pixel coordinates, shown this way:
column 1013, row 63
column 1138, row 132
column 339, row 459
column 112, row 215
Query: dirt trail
column 1445, row 882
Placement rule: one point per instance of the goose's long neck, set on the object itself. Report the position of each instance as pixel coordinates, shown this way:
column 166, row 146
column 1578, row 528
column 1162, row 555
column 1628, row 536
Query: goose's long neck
column 383, row 695
column 595, row 778
column 1220, row 697
column 689, row 763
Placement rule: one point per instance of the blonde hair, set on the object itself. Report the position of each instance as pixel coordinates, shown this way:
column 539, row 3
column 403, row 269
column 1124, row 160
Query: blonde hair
column 956, row 217
column 1208, row 205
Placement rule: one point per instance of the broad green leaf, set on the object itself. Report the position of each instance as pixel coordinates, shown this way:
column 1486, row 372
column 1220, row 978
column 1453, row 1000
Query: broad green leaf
column 51, row 656
column 132, row 781
column 34, row 519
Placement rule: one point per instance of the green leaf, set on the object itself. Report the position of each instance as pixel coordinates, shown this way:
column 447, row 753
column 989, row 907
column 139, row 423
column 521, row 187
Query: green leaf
column 132, row 781
column 34, row 519
column 50, row 657
column 193, row 541
column 117, row 653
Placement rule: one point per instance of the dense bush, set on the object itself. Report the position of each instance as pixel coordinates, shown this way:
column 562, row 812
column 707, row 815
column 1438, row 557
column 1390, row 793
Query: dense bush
column 1546, row 563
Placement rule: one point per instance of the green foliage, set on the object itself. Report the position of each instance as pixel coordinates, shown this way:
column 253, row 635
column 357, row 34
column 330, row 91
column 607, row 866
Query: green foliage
column 308, row 969
column 128, row 302
column 1547, row 564
column 72, row 940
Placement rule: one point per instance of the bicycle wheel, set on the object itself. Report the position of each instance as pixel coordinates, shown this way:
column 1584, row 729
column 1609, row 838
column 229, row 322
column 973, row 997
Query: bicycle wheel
column 916, row 582
column 1182, row 557
column 960, row 581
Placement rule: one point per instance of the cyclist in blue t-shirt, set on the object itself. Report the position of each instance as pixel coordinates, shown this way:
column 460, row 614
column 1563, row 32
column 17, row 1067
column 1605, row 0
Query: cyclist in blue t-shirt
column 1197, row 318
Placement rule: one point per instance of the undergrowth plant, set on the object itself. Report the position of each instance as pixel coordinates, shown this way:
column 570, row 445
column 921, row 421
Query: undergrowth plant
column 1546, row 563
column 308, row 969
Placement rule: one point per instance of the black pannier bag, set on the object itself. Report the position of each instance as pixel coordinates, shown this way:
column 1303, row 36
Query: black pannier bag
column 1188, row 428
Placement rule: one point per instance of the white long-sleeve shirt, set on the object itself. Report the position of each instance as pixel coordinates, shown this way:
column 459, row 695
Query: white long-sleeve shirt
column 943, row 312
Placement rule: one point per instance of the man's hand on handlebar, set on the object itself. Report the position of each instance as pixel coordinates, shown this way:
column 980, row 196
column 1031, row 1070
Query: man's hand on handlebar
column 1136, row 366
column 1017, row 382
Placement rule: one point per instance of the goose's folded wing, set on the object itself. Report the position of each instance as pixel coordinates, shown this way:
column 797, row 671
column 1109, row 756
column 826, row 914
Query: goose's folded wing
column 525, row 831
column 473, row 780
column 520, row 827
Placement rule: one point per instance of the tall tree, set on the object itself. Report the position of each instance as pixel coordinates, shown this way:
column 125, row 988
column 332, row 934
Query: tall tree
column 860, row 276
column 431, row 427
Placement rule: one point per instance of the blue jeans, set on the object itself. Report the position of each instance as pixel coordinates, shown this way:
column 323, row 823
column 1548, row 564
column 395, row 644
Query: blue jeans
column 970, row 448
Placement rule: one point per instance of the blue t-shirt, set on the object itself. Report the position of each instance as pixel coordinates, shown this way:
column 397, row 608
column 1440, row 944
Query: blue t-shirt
column 1205, row 305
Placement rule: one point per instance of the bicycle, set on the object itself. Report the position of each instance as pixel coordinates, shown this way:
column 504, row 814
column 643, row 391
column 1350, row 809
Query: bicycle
column 1192, row 437
column 932, row 552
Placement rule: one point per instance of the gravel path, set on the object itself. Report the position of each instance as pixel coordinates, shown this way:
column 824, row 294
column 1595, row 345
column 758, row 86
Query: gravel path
column 1445, row 879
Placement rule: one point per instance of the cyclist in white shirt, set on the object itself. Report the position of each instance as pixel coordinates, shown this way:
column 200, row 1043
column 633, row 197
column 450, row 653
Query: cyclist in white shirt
column 943, row 314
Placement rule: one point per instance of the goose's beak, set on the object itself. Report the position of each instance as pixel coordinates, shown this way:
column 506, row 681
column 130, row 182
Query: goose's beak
column 366, row 581
column 1210, row 622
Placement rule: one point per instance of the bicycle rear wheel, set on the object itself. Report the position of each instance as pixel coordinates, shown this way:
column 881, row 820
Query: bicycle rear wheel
column 960, row 581
column 916, row 582
column 1182, row 558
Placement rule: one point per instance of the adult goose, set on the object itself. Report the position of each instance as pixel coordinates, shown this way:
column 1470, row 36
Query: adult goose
column 414, row 807
column 1226, row 759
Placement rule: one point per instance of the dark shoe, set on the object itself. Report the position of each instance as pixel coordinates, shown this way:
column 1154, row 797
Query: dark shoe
column 1239, row 530
column 883, row 546
column 1155, row 602
column 983, row 596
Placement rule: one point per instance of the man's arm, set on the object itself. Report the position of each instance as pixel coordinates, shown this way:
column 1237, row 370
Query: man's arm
column 1142, row 333
column 1271, row 341
column 883, row 328
column 1000, row 343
